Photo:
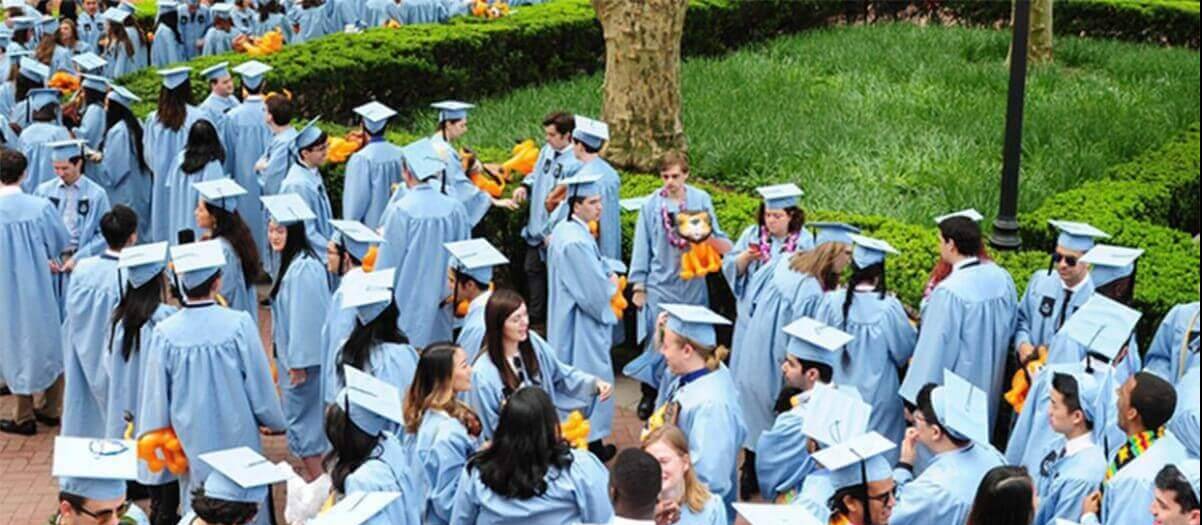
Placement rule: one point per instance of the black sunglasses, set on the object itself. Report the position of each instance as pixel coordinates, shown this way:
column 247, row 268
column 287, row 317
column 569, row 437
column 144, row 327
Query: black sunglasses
column 1068, row 259
column 885, row 497
column 104, row 516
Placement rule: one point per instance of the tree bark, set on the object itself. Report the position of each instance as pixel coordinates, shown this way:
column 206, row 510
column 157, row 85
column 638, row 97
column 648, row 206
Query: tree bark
column 1039, row 47
column 642, row 98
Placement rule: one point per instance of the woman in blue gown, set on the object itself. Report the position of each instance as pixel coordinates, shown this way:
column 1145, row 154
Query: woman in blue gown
column 698, row 506
column 126, row 176
column 168, row 45
column 374, row 172
column 166, row 133
column 218, row 216
column 779, row 230
column 120, row 52
column 530, row 473
column 442, row 430
column 92, row 126
column 375, row 345
column 311, row 20
column 202, row 160
column 514, row 357
column 300, row 299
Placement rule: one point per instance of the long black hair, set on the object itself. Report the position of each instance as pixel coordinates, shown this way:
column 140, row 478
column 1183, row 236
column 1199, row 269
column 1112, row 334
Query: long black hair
column 171, row 20
column 92, row 96
column 230, row 226
column 1003, row 498
column 501, row 304
column 350, row 446
column 136, row 307
column 525, row 447
column 202, row 148
column 119, row 113
column 356, row 351
column 297, row 244
column 267, row 7
column 871, row 273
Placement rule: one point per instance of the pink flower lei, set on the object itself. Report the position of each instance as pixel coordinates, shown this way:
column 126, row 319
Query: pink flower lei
column 669, row 226
column 765, row 244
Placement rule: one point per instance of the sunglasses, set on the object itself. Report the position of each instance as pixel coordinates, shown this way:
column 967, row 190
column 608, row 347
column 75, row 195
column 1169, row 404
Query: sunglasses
column 885, row 497
column 107, row 515
column 1068, row 259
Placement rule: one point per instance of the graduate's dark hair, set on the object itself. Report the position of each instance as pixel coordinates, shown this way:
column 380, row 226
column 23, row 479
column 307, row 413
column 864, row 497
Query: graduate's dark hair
column 202, row 289
column 267, row 7
column 133, row 311
column 965, row 233
column 635, row 482
column 927, row 408
column 563, row 121
column 12, row 165
column 171, row 20
column 213, row 510
column 1154, row 398
column 826, row 373
column 23, row 84
column 1068, row 388
column 295, row 245
column 203, row 147
column 117, row 33
column 118, row 225
column 432, row 389
column 280, row 109
column 797, row 218
column 356, row 351
column 1004, row 498
column 587, row 148
column 501, row 304
column 118, row 113
column 132, row 21
column 67, row 11
column 1171, row 479
column 230, row 226
column 873, row 273
column 525, row 447
column 20, row 36
column 350, row 446
column 93, row 97
column 1121, row 289
column 173, row 105
column 47, row 113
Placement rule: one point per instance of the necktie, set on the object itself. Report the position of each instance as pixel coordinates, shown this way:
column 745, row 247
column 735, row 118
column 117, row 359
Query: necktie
column 1068, row 298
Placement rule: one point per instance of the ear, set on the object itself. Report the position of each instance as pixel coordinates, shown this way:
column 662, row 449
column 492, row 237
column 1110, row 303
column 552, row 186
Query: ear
column 64, row 509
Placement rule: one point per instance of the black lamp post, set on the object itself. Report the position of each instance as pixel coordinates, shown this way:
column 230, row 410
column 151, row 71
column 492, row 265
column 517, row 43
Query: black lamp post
column 1005, row 227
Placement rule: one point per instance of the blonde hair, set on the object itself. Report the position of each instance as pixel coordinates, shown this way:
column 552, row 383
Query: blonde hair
column 714, row 355
column 819, row 263
column 696, row 494
column 432, row 389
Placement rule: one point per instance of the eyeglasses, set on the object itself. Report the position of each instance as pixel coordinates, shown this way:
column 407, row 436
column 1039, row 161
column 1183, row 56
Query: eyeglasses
column 106, row 515
column 1068, row 259
column 885, row 497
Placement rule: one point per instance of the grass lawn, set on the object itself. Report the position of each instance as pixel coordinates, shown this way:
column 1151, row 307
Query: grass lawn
column 896, row 119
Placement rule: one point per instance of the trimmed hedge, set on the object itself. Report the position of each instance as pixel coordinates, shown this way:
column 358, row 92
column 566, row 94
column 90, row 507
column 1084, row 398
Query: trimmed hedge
column 1171, row 22
column 470, row 58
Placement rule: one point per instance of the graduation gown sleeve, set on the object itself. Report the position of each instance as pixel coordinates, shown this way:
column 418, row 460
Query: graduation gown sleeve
column 592, row 487
column 934, row 351
column 641, row 250
column 588, row 284
column 356, row 189
column 714, row 447
column 443, row 463
column 781, row 455
column 567, row 380
column 307, row 302
column 921, row 503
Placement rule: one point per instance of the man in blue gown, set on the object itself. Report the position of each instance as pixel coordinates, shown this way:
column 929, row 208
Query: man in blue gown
column 415, row 228
column 1174, row 349
column 309, row 152
column 1177, row 501
column 221, row 99
column 41, row 129
column 471, row 274
column 1075, row 464
column 247, row 137
column 452, row 124
column 31, row 234
column 374, row 172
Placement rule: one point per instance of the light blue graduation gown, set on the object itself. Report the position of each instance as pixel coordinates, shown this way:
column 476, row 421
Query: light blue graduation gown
column 558, row 379
column 424, row 12
column 217, row 41
column 8, row 100
column 128, row 374
column 578, row 494
column 126, row 182
column 780, row 297
column 334, row 331
column 372, row 173
column 457, row 183
column 182, row 197
column 712, row 420
column 551, row 166
column 296, row 315
column 1174, row 349
column 192, row 27
column 884, row 341
column 247, row 137
column 414, row 230
column 33, row 143
column 713, row 513
column 390, row 470
column 944, row 492
column 379, row 12
column 1184, row 424
column 580, row 321
column 31, row 234
column 120, row 62
column 91, row 203
column 1128, row 495
column 306, row 182
column 391, row 363
column 60, row 60
column 207, row 377
column 610, row 225
column 1042, row 304
column 166, row 48
column 244, row 20
column 215, row 109
column 966, row 327
column 471, row 334
column 161, row 147
column 1069, row 480
column 94, row 291
column 238, row 294
column 312, row 22
column 8, row 138
column 89, row 28
column 277, row 156
column 274, row 21
column 782, row 456
column 441, row 448
column 91, row 126
column 751, row 235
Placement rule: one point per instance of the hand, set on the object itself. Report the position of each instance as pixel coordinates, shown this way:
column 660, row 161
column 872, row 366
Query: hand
column 68, row 266
column 261, row 165
column 95, row 157
column 604, row 390
column 1092, row 504
column 519, row 195
column 297, row 376
column 639, row 298
column 667, row 512
column 55, row 267
column 613, row 279
column 508, row 204
column 1025, row 351
column 909, row 450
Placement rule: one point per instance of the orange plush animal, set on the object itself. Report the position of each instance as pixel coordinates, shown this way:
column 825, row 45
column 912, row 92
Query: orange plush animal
column 1020, row 384
column 575, row 430
column 701, row 259
column 525, row 154
column 618, row 302
column 65, row 82
column 341, row 148
column 480, row 175
column 161, row 448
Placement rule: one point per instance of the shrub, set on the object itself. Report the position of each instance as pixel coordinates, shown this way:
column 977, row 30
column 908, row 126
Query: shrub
column 1173, row 22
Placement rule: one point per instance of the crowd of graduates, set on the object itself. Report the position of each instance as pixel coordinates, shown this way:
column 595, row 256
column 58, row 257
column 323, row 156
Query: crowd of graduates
column 419, row 389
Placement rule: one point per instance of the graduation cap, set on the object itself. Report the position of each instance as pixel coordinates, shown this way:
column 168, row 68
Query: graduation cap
column 219, row 70
column 369, row 293
column 34, row 70
column 252, row 72
column 14, row 4
column 1102, row 325
column 693, row 322
column 962, row 408
column 772, row 514
column 48, row 25
column 372, row 405
column 1111, row 263
column 813, row 340
column 64, row 150
column 971, row 214
column 41, row 97
column 123, row 96
column 633, row 203
column 127, row 7
column 95, row 469
column 833, row 232
column 287, row 208
column 423, row 161
column 1077, row 236
column 583, row 184
column 166, row 6
column 14, row 56
column 356, row 508
column 308, row 135
column 95, row 82
column 222, row 193
column 355, row 237
column 592, row 132
column 857, row 461
column 143, row 262
column 241, row 475
column 867, row 251
column 451, row 110
column 835, row 415
column 475, row 258
column 780, row 196
column 375, row 115
column 23, row 22
column 172, row 78
column 197, row 262
column 89, row 62
column 222, row 10
column 116, row 15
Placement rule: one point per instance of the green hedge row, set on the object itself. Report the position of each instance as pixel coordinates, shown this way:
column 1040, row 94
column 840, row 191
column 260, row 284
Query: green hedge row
column 1171, row 22
column 470, row 59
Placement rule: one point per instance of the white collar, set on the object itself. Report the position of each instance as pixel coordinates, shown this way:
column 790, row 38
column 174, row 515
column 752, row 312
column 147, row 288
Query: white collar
column 63, row 184
column 253, row 97
column 580, row 222
column 111, row 253
column 566, row 149
column 1078, row 444
column 865, row 287
column 10, row 190
column 1080, row 285
column 965, row 262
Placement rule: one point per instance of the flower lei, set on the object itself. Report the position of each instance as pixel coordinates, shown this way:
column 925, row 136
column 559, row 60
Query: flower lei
column 765, row 244
column 669, row 226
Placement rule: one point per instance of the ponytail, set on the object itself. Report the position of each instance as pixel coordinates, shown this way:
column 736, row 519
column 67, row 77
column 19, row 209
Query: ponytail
column 873, row 273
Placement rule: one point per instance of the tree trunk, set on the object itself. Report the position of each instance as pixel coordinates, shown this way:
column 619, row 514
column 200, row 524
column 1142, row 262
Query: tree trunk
column 1039, row 47
column 642, row 79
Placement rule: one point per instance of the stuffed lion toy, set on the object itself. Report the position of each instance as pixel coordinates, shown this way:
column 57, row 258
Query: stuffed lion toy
column 701, row 259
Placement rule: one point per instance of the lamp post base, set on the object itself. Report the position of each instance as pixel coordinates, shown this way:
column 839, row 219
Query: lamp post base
column 1005, row 235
